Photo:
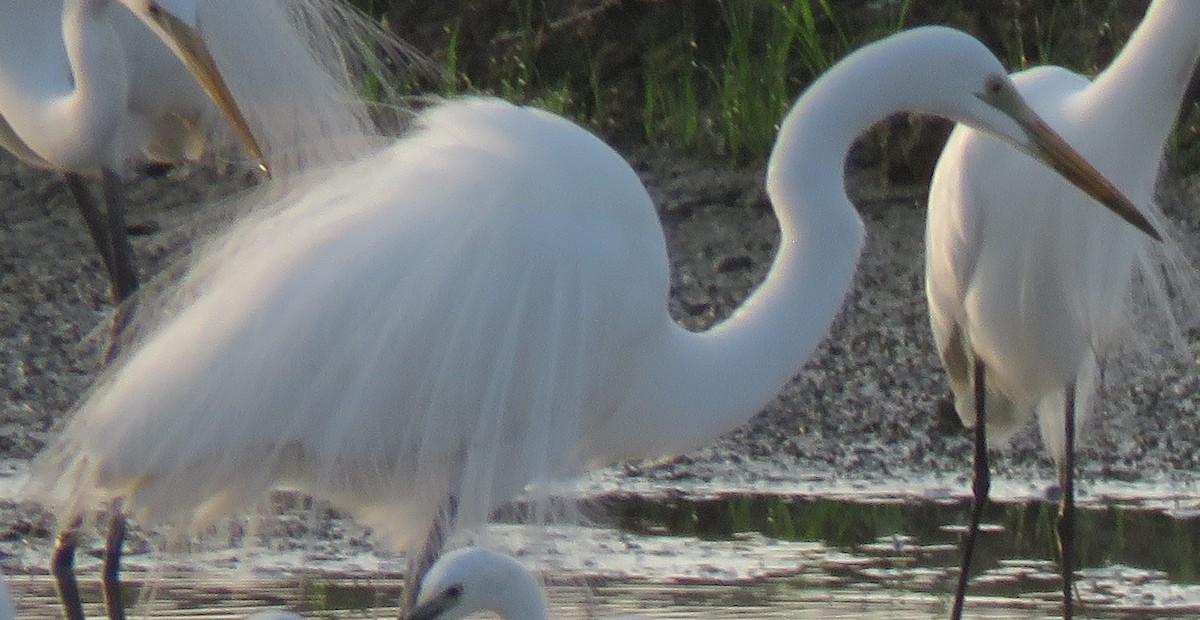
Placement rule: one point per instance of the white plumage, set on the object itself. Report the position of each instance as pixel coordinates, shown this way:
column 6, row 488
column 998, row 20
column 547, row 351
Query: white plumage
column 484, row 305
column 1031, row 288
column 472, row 579
column 1023, row 272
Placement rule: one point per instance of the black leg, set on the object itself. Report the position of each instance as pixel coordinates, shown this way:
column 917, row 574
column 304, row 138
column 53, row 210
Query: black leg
column 420, row 561
column 114, row 602
column 107, row 230
column 980, row 489
column 62, row 565
column 125, row 280
column 1066, row 513
column 93, row 218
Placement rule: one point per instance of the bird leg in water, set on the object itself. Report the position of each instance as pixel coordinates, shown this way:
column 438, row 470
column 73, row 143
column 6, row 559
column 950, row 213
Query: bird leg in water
column 114, row 602
column 980, row 487
column 107, row 230
column 62, row 565
column 420, row 562
column 1066, row 513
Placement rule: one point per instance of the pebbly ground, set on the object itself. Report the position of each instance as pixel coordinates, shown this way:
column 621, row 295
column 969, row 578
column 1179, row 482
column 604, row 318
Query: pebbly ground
column 865, row 407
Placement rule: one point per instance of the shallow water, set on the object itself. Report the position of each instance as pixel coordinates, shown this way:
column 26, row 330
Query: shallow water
column 726, row 556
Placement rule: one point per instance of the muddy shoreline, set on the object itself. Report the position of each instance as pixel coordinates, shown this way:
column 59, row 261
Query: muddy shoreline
column 866, row 406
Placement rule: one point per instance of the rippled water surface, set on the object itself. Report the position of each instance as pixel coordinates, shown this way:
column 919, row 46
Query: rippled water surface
column 719, row 556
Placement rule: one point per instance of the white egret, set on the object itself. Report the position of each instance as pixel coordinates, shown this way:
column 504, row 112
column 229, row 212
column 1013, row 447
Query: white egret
column 65, row 103
column 87, row 89
column 462, row 582
column 465, row 581
column 472, row 579
column 483, row 305
column 1029, row 284
column 64, row 99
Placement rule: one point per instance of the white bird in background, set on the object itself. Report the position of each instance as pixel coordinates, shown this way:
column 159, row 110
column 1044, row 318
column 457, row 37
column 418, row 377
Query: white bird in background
column 484, row 305
column 472, row 579
column 1029, row 284
column 87, row 89
column 465, row 581
column 90, row 87
column 462, row 582
column 65, row 103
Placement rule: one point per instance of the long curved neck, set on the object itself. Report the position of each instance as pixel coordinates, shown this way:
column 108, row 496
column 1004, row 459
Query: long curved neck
column 701, row 385
column 1151, row 73
column 691, row 388
column 70, row 120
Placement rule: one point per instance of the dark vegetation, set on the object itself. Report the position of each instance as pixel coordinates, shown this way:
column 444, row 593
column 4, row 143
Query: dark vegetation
column 713, row 77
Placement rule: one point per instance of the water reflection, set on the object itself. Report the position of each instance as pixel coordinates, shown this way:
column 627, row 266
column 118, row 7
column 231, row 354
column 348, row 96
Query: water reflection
column 731, row 556
column 1115, row 534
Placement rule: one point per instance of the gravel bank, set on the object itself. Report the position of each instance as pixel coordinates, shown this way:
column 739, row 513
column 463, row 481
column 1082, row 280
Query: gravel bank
column 867, row 405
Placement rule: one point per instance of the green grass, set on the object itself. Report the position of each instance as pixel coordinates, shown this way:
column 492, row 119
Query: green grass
column 769, row 50
column 755, row 87
column 672, row 113
column 714, row 77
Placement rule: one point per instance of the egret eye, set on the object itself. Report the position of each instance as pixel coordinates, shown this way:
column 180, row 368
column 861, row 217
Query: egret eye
column 454, row 592
column 993, row 85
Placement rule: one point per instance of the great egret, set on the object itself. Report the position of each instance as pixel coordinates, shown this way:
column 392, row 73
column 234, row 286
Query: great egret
column 483, row 305
column 86, row 89
column 472, row 579
column 65, row 103
column 1029, row 284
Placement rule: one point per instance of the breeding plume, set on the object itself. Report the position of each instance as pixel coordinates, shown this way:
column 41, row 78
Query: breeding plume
column 484, row 305
column 1030, row 285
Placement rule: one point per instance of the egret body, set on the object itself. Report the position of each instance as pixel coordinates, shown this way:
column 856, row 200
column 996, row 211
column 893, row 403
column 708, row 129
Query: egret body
column 484, row 305
column 1029, row 284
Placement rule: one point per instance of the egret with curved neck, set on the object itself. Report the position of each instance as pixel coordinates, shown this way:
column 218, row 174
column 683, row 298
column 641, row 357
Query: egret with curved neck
column 484, row 305
column 89, row 88
column 94, row 88
column 1030, row 285
column 65, row 94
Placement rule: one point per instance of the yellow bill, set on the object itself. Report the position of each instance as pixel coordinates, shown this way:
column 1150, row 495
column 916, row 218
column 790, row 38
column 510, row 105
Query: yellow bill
column 1054, row 151
column 193, row 51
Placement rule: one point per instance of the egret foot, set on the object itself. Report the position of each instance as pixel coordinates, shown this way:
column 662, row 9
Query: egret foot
column 62, row 566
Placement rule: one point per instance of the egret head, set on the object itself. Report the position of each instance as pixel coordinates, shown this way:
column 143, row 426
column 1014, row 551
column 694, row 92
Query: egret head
column 469, row 580
column 1037, row 138
column 177, row 23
